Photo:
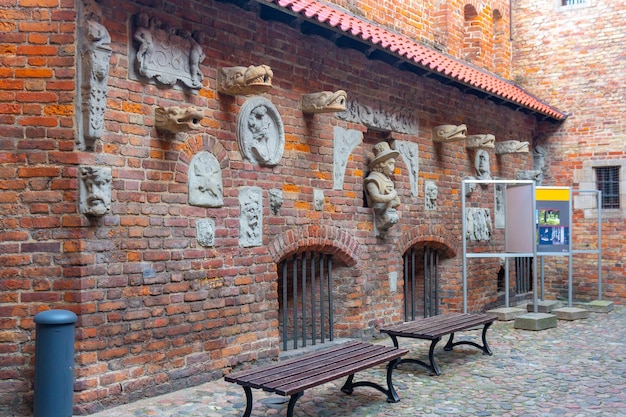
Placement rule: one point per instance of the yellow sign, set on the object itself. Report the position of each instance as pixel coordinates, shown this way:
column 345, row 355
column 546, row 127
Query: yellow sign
column 552, row 194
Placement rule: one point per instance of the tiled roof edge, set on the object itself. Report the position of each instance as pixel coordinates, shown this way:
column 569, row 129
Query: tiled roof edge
column 417, row 54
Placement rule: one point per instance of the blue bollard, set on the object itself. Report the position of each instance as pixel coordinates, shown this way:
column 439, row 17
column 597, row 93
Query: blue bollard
column 54, row 363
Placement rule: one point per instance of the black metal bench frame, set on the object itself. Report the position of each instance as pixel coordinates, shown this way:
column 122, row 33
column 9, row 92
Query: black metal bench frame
column 434, row 328
column 291, row 377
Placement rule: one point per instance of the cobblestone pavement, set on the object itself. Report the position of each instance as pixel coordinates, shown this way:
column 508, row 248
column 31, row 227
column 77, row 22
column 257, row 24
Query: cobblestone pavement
column 575, row 369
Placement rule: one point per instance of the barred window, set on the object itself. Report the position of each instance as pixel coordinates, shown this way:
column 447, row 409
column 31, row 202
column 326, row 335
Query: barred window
column 607, row 181
column 572, row 2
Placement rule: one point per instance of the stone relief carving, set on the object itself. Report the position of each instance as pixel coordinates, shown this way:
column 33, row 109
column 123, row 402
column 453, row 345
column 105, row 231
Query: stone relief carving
column 204, row 179
column 529, row 174
column 480, row 141
column 345, row 141
column 478, row 223
column 318, row 199
column 481, row 164
column 95, row 52
column 410, row 152
column 470, row 187
column 205, row 232
column 430, row 195
column 276, row 200
column 379, row 188
column 539, row 162
column 94, row 190
column 176, row 119
column 449, row 133
column 399, row 120
column 244, row 81
column 499, row 207
column 511, row 146
column 167, row 55
column 260, row 132
column 324, row 102
column 251, row 217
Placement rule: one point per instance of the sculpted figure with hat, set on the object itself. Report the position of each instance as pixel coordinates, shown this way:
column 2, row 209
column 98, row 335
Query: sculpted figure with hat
column 379, row 188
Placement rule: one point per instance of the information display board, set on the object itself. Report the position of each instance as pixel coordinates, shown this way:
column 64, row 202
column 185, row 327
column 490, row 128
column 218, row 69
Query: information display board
column 553, row 219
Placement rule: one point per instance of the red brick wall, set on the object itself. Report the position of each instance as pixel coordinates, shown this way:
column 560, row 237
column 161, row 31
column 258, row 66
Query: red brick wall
column 156, row 310
column 574, row 58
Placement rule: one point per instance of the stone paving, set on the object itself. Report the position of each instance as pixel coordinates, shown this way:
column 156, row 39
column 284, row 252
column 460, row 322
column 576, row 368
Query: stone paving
column 575, row 369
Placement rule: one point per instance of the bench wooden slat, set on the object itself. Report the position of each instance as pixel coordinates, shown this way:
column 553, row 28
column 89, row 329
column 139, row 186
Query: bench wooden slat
column 240, row 376
column 293, row 376
column 433, row 328
column 437, row 326
column 266, row 378
column 332, row 371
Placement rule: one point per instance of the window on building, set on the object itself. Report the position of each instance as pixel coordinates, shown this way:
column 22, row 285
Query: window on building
column 572, row 2
column 607, row 181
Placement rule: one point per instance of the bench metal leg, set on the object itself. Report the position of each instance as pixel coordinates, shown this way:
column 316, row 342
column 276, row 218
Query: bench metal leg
column 248, row 392
column 432, row 366
column 292, row 402
column 390, row 392
column 485, row 346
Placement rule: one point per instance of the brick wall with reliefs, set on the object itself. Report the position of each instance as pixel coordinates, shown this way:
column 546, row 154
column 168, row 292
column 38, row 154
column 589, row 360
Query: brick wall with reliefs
column 573, row 57
column 157, row 311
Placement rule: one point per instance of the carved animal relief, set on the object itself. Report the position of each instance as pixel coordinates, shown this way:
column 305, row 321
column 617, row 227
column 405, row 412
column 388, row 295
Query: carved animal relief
column 480, row 141
column 176, row 119
column 205, row 181
column 449, row 133
column 511, row 146
column 244, row 81
column 324, row 102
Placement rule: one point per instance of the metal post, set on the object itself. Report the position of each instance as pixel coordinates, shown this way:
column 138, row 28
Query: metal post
column 54, row 363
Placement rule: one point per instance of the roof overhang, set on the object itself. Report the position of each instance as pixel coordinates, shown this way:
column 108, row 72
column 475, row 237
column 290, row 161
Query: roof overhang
column 346, row 31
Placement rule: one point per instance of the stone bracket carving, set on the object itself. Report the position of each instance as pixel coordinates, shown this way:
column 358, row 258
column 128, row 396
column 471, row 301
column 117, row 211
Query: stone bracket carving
column 345, row 142
column 511, row 146
column 480, row 141
column 449, row 133
column 166, row 55
column 410, row 152
column 176, row 119
column 244, row 81
column 399, row 120
column 324, row 102
column 95, row 52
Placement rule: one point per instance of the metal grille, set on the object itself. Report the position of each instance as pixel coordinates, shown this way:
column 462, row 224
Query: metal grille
column 607, row 181
column 306, row 299
column 523, row 274
column 429, row 284
column 572, row 2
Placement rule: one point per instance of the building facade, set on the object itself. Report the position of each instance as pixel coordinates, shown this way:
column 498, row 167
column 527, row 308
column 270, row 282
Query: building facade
column 191, row 178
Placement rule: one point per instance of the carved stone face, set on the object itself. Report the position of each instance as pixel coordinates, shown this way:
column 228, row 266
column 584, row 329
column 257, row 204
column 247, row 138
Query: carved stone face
column 95, row 190
column 483, row 170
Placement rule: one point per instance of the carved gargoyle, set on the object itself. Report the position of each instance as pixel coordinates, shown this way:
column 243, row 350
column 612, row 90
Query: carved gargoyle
column 176, row 119
column 324, row 102
column 480, row 141
column 244, row 81
column 511, row 146
column 449, row 133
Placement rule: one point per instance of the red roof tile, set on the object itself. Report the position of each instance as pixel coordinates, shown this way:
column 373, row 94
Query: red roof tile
column 419, row 54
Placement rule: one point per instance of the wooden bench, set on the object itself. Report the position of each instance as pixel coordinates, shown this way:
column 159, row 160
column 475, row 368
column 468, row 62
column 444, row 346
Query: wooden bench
column 291, row 377
column 434, row 328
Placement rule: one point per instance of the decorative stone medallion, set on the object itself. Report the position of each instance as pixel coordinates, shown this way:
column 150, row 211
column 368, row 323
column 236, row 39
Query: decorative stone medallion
column 260, row 132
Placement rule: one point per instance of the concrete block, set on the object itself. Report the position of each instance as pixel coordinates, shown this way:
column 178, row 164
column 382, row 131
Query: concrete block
column 599, row 306
column 545, row 306
column 571, row 313
column 507, row 313
column 535, row 321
